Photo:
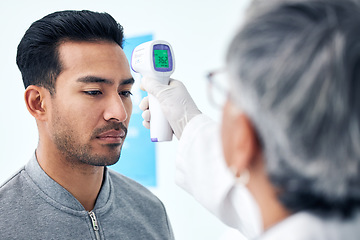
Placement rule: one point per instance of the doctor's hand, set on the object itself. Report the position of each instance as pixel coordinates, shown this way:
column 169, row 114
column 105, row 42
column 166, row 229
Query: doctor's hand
column 175, row 101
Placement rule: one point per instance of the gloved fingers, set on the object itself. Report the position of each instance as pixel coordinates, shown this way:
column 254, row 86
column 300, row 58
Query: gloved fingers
column 174, row 94
column 144, row 104
column 146, row 124
column 146, row 83
column 152, row 86
column 146, row 115
column 178, row 89
column 176, row 83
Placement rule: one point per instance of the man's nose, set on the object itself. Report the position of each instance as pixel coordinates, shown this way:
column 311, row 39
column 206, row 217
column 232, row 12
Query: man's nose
column 115, row 109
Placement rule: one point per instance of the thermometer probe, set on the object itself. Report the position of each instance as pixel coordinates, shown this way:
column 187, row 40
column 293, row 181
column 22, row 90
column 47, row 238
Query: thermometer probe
column 155, row 59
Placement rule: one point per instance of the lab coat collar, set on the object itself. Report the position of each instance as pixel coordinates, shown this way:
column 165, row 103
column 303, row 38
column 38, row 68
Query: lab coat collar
column 306, row 225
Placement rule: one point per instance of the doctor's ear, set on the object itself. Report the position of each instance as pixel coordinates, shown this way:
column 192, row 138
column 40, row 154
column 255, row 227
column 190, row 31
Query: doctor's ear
column 247, row 147
column 35, row 100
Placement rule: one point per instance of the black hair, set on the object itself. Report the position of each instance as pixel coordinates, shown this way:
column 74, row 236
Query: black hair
column 37, row 53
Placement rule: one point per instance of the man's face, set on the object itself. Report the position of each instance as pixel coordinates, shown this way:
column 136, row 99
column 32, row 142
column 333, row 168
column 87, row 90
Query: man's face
column 91, row 108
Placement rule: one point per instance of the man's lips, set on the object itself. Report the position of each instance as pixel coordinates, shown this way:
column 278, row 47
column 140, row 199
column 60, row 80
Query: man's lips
column 112, row 136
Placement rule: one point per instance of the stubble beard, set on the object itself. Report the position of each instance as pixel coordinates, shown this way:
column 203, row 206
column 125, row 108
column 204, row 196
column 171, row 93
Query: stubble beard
column 82, row 154
column 77, row 154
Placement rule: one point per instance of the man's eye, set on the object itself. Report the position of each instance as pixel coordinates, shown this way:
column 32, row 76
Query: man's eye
column 125, row 93
column 93, row 93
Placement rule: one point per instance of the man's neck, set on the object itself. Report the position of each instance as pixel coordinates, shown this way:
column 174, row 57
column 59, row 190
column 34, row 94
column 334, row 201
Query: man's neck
column 81, row 180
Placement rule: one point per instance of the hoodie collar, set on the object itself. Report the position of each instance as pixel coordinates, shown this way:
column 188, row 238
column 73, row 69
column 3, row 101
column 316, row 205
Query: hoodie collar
column 60, row 195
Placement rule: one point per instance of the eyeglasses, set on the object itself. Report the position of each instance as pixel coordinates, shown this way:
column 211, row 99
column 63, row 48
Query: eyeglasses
column 218, row 87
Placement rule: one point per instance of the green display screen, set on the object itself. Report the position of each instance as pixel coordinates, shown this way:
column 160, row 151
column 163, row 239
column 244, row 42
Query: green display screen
column 161, row 58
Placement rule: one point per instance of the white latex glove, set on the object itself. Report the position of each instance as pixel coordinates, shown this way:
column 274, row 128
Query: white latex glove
column 175, row 101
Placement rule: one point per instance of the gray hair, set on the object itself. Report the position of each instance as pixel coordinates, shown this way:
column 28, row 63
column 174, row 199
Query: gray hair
column 295, row 68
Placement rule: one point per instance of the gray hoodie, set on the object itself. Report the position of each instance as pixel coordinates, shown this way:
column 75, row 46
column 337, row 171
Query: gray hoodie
column 33, row 206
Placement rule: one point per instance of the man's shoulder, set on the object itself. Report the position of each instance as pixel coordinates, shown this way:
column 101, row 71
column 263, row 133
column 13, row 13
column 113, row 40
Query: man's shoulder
column 132, row 188
column 12, row 182
column 126, row 182
column 13, row 191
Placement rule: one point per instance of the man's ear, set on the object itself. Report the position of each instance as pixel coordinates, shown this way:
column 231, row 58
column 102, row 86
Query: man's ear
column 35, row 100
column 246, row 145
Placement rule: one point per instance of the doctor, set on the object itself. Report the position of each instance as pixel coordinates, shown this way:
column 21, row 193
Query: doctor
column 291, row 125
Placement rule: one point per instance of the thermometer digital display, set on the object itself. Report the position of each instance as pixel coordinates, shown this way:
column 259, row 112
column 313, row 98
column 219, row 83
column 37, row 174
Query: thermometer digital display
column 161, row 59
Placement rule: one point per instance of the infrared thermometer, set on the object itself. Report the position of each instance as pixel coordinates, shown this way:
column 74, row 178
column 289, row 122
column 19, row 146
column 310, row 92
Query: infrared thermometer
column 155, row 59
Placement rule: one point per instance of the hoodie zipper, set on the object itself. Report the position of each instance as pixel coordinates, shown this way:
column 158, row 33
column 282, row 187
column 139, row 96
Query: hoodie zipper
column 95, row 225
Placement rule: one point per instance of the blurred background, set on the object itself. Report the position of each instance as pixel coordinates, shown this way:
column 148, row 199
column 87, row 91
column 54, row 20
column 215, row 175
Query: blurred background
column 199, row 32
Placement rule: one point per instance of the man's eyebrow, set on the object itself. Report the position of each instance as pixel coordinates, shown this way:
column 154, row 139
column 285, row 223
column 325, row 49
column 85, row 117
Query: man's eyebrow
column 127, row 81
column 93, row 79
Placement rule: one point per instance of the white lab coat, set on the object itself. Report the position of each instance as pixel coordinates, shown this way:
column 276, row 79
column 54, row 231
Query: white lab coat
column 202, row 172
column 307, row 226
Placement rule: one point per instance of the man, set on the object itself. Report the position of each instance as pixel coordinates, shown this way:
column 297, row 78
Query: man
column 78, row 86
column 290, row 130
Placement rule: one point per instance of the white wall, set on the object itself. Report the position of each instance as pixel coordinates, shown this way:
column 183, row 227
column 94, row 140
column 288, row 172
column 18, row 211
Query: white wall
column 202, row 28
